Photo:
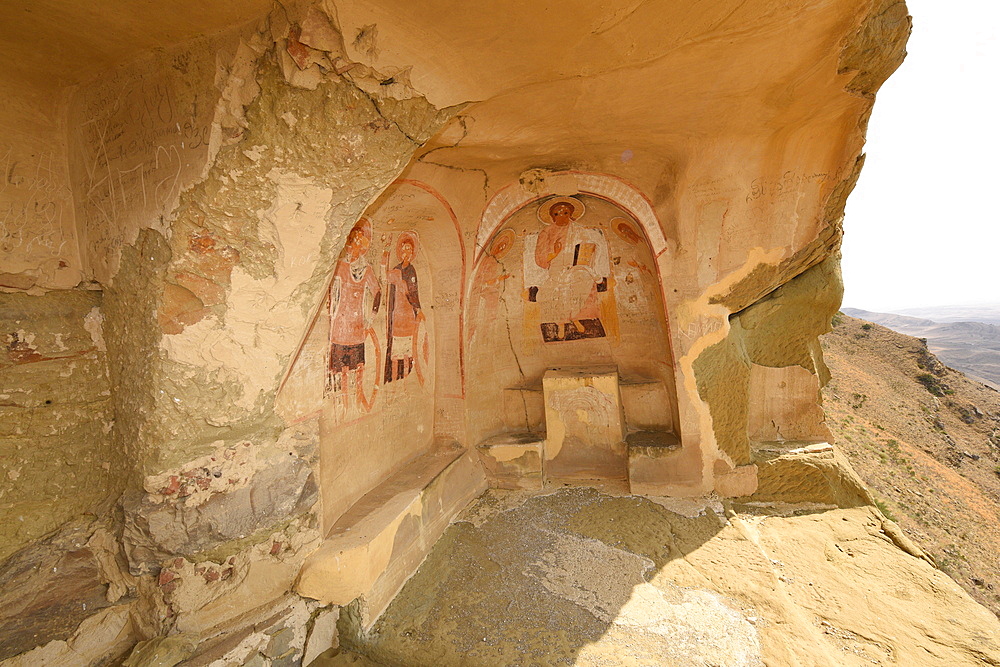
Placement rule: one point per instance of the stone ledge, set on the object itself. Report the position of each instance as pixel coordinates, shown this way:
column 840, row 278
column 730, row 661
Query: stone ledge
column 513, row 460
column 797, row 471
column 652, row 462
column 376, row 546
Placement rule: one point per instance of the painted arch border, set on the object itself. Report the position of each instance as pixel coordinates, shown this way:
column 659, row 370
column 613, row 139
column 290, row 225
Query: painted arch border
column 511, row 198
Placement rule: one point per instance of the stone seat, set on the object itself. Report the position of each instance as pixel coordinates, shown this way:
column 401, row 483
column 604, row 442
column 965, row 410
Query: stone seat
column 640, row 441
column 649, row 460
column 513, row 460
column 643, row 398
column 376, row 545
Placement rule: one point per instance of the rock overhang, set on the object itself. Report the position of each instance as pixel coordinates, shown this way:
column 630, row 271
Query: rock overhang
column 740, row 125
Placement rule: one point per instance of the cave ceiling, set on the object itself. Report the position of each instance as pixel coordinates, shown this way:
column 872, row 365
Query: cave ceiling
column 65, row 42
column 552, row 80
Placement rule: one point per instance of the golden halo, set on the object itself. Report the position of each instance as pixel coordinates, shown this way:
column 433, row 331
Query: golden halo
column 578, row 208
column 408, row 237
column 505, row 236
column 625, row 230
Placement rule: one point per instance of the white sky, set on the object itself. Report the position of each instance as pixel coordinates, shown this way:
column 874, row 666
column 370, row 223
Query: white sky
column 922, row 227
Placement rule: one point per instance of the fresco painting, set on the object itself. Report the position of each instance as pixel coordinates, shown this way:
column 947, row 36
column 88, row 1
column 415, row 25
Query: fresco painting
column 378, row 331
column 404, row 351
column 566, row 270
column 565, row 282
column 354, row 286
column 625, row 231
column 578, row 271
column 491, row 280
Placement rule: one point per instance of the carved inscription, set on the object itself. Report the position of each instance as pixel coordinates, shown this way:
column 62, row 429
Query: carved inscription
column 788, row 183
column 34, row 199
column 140, row 139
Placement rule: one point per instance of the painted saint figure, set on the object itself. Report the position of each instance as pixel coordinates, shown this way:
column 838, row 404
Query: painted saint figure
column 404, row 316
column 566, row 266
column 490, row 278
column 353, row 279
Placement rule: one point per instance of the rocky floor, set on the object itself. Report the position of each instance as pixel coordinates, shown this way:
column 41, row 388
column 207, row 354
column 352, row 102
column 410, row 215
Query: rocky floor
column 581, row 577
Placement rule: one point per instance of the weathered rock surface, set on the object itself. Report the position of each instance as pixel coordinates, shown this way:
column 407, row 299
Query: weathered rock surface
column 276, row 493
column 591, row 579
column 52, row 586
column 104, row 638
column 161, row 652
column 55, row 413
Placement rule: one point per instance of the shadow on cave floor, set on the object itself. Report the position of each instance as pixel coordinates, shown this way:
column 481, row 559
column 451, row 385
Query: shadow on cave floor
column 565, row 578
column 583, row 577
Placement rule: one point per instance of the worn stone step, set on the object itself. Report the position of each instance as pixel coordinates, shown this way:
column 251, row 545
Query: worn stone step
column 652, row 460
column 513, row 460
column 381, row 540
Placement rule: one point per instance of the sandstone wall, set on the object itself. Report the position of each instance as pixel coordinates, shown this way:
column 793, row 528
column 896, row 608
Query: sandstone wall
column 56, row 460
column 212, row 231
column 209, row 189
column 38, row 238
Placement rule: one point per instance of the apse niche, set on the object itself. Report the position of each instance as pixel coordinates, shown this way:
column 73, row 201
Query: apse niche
column 567, row 343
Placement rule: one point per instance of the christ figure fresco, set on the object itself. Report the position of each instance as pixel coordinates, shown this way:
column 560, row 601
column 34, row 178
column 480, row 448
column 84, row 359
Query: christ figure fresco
column 350, row 319
column 566, row 267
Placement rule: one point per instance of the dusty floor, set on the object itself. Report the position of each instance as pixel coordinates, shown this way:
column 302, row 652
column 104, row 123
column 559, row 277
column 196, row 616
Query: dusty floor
column 584, row 578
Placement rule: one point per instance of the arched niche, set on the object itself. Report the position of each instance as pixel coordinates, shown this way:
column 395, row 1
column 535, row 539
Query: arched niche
column 581, row 291
column 381, row 366
column 534, row 187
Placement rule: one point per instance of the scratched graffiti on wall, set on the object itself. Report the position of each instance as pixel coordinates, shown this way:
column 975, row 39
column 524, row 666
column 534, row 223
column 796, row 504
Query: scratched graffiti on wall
column 141, row 139
column 35, row 210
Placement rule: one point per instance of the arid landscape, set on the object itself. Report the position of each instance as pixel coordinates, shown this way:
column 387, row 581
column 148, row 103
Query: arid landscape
column 988, row 313
column 925, row 439
column 967, row 339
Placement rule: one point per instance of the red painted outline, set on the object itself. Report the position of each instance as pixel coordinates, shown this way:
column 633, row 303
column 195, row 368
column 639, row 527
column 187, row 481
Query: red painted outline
column 315, row 414
column 461, row 246
column 649, row 202
column 649, row 244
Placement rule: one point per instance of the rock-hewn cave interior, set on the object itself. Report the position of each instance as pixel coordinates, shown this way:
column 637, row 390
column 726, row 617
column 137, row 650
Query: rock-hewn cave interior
column 286, row 287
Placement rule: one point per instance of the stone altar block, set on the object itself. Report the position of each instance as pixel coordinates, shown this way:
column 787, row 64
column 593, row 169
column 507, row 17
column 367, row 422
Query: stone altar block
column 585, row 425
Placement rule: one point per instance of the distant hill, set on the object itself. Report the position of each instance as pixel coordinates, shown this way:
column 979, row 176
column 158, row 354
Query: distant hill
column 988, row 313
column 972, row 347
column 926, row 440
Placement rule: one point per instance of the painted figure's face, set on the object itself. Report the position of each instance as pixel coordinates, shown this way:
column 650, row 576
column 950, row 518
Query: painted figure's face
column 406, row 252
column 561, row 213
column 357, row 244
